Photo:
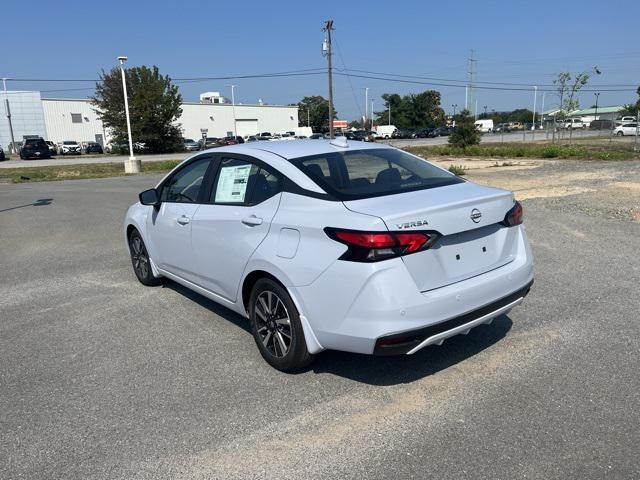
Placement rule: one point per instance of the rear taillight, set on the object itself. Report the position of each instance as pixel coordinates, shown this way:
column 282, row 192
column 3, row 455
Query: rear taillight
column 513, row 216
column 376, row 246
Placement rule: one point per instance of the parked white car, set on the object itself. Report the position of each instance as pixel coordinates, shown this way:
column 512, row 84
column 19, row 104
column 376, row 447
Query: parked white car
column 625, row 129
column 333, row 245
column 573, row 124
column 625, row 120
column 69, row 147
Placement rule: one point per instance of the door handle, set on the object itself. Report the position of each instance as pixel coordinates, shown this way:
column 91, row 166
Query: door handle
column 183, row 220
column 252, row 220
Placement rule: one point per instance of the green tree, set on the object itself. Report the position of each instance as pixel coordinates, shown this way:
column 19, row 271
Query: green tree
column 315, row 109
column 465, row 133
column 154, row 107
column 419, row 110
column 633, row 108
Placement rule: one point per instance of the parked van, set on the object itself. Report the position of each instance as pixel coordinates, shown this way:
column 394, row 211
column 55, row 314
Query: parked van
column 385, row 131
column 484, row 126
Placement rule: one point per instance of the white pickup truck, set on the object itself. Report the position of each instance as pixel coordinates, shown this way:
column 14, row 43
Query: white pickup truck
column 573, row 124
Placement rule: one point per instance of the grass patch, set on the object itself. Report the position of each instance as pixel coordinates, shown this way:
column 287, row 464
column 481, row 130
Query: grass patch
column 592, row 151
column 66, row 172
column 458, row 170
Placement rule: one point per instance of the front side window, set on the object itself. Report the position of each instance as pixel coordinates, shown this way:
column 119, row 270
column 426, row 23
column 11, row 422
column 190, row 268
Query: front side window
column 351, row 175
column 184, row 186
column 243, row 182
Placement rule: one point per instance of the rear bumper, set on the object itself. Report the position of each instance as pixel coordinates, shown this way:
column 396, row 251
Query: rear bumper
column 413, row 340
column 352, row 306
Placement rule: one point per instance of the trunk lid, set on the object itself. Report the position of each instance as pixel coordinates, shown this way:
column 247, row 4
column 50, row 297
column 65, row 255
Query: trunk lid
column 467, row 216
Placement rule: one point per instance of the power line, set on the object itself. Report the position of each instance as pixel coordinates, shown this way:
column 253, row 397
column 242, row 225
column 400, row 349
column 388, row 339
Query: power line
column 442, row 84
column 344, row 66
column 420, row 77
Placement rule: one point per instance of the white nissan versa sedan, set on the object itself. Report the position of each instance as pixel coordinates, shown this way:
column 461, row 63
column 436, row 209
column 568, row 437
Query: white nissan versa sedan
column 333, row 245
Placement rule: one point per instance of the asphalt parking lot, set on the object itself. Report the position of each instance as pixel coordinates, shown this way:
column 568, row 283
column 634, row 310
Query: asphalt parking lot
column 101, row 377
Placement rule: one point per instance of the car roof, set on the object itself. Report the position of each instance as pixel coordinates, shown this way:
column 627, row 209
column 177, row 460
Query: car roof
column 290, row 149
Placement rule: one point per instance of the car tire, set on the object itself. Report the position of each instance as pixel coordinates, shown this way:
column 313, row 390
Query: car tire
column 620, row 134
column 276, row 327
column 140, row 260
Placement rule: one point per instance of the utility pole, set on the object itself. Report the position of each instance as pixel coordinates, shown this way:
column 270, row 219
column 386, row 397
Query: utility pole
column 485, row 111
column 366, row 108
column 470, row 103
column 308, row 117
column 595, row 115
column 8, row 112
column 635, row 144
column 389, row 105
column 326, row 50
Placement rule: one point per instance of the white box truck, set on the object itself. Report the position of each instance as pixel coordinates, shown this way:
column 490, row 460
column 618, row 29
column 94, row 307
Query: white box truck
column 484, row 126
column 385, row 131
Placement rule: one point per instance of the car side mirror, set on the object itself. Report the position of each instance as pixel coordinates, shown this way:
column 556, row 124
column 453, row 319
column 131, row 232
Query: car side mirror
column 150, row 197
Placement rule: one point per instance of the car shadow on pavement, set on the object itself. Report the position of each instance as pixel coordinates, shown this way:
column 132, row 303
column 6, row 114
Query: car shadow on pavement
column 375, row 370
column 38, row 203
column 399, row 369
column 224, row 312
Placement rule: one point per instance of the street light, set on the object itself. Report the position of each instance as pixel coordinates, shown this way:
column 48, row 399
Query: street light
column 455, row 105
column 233, row 107
column 133, row 164
column 485, row 111
column 595, row 115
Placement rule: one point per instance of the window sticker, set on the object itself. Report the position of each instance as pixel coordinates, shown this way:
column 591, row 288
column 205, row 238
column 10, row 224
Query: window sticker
column 232, row 184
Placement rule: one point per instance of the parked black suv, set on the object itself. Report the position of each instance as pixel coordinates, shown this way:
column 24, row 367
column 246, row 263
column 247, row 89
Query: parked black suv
column 34, row 148
column 94, row 147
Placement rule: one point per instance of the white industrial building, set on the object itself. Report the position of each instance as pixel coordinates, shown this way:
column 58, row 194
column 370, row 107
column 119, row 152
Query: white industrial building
column 60, row 119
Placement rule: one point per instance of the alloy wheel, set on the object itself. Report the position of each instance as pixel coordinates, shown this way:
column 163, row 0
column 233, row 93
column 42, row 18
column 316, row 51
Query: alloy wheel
column 273, row 323
column 139, row 256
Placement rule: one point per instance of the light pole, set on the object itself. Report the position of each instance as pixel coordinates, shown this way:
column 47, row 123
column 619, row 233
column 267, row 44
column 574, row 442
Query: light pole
column 372, row 114
column 535, row 102
column 132, row 165
column 485, row 111
column 233, row 107
column 455, row 105
column 389, row 105
column 595, row 115
column 8, row 112
column 544, row 94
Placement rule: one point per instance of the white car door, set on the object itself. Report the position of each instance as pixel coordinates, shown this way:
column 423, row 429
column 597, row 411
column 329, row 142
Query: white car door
column 169, row 227
column 225, row 232
column 629, row 129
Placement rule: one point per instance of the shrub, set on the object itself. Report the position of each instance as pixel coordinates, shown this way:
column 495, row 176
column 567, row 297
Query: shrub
column 458, row 170
column 465, row 132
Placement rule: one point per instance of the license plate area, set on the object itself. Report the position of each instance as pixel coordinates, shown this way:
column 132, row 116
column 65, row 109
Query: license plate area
column 462, row 255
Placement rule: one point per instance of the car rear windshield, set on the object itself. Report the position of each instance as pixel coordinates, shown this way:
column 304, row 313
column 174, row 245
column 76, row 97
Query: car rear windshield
column 356, row 174
column 34, row 142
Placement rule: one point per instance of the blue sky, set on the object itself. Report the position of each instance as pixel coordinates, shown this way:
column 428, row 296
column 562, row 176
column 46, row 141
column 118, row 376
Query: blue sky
column 515, row 41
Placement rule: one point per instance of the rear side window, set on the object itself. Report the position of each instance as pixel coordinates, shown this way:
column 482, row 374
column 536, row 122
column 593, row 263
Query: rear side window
column 351, row 175
column 241, row 182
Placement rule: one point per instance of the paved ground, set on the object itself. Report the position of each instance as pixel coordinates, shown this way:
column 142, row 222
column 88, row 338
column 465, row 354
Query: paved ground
column 101, row 377
column 66, row 160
